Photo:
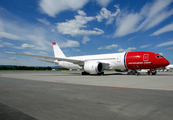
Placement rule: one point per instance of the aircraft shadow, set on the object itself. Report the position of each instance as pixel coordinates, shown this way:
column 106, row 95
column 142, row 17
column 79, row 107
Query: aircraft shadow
column 106, row 74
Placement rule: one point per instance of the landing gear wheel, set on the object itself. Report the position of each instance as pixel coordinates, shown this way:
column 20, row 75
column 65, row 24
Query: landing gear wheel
column 154, row 73
column 131, row 73
column 102, row 73
column 148, row 73
column 85, row 73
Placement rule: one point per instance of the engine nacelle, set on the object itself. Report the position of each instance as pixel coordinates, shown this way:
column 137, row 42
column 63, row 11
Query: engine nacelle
column 93, row 67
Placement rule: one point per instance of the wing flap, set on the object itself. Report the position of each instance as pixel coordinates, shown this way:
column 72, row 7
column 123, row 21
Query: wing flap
column 47, row 61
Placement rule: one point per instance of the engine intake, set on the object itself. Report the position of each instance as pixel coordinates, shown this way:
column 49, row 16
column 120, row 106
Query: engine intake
column 93, row 67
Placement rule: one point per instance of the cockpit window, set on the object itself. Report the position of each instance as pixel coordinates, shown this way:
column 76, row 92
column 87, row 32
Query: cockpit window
column 159, row 56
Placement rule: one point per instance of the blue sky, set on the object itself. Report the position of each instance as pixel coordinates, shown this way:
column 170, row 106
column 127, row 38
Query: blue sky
column 84, row 27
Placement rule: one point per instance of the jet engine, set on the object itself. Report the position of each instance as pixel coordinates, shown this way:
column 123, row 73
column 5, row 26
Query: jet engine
column 93, row 67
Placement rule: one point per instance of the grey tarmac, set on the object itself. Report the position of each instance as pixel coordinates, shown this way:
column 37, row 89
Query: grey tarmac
column 68, row 95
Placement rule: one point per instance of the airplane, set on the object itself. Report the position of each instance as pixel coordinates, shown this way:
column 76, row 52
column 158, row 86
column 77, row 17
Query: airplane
column 169, row 67
column 96, row 64
column 165, row 69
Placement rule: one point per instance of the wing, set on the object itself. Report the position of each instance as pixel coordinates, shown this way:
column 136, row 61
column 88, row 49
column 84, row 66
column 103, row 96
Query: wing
column 53, row 58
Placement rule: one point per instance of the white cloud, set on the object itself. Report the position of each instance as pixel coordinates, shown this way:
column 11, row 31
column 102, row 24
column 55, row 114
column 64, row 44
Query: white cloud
column 36, row 53
column 169, row 48
column 144, row 46
column 77, row 50
column 158, row 19
column 150, row 15
column 4, row 34
column 121, row 50
column 44, row 21
column 127, row 25
column 81, row 12
column 110, row 20
column 37, row 36
column 85, row 39
column 106, row 14
column 165, row 44
column 53, row 30
column 131, row 38
column 115, row 46
column 167, row 28
column 39, row 40
column 76, row 26
column 103, row 2
column 7, row 44
column 155, row 13
column 6, row 60
column 127, row 50
column 25, row 45
column 53, row 7
column 14, row 58
column 158, row 6
column 9, row 36
column 69, row 43
column 14, row 28
column 161, row 54
column 3, row 44
column 108, row 47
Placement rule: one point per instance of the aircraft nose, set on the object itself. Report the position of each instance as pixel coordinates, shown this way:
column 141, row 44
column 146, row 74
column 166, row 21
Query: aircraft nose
column 166, row 62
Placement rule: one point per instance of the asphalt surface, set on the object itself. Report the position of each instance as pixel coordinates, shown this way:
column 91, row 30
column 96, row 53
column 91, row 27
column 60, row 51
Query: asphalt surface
column 70, row 96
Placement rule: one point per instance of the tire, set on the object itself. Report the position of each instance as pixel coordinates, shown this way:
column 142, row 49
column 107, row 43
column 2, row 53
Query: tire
column 85, row 73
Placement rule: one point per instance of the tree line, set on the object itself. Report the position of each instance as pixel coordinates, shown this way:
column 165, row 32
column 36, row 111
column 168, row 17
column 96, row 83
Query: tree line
column 24, row 68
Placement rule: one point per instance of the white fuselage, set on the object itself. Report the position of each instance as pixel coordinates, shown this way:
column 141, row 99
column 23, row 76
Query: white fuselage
column 115, row 60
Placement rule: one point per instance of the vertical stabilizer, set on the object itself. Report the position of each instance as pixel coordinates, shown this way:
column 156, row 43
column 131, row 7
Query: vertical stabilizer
column 57, row 51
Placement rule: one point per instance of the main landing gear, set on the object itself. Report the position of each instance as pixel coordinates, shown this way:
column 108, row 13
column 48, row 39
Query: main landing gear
column 152, row 72
column 102, row 73
column 143, row 71
column 85, row 73
column 131, row 72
